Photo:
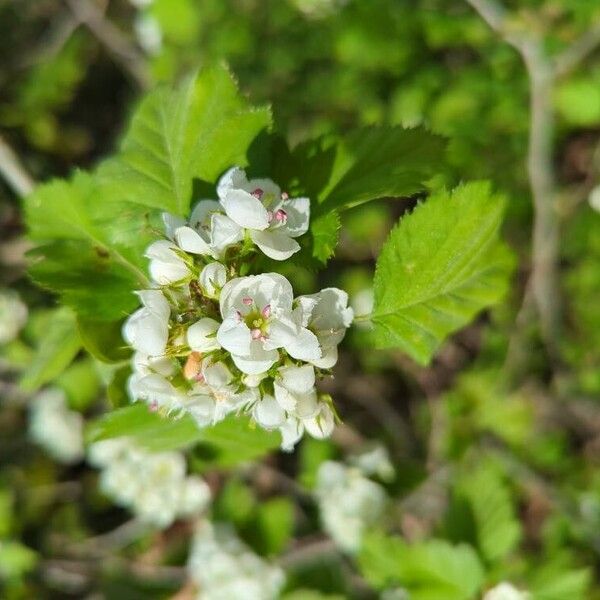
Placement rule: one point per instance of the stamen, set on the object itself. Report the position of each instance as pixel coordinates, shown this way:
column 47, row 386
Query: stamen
column 258, row 193
column 238, row 316
column 153, row 406
column 256, row 334
column 269, row 215
column 247, row 301
column 281, row 216
column 266, row 311
column 285, row 196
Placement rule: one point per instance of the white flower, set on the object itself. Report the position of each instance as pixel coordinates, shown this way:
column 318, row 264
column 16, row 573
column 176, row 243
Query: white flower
column 212, row 278
column 56, row 428
column 226, row 569
column 319, row 426
column 166, row 265
column 202, row 335
column 271, row 218
column 505, row 591
column 258, row 320
column 147, row 329
column 327, row 315
column 153, row 485
column 13, row 315
column 349, row 503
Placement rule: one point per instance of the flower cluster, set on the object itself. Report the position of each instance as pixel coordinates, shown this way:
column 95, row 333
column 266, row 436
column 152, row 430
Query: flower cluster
column 349, row 503
column 226, row 569
column 210, row 342
column 56, row 428
column 154, row 486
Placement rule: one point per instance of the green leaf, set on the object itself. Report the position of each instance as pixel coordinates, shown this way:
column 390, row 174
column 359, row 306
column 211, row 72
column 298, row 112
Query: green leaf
column 556, row 581
column 81, row 383
column 578, row 101
column 275, row 524
column 15, row 560
column 57, row 349
column 103, row 340
column 496, row 527
column 380, row 162
column 91, row 246
column 231, row 441
column 176, row 136
column 429, row 570
column 441, row 265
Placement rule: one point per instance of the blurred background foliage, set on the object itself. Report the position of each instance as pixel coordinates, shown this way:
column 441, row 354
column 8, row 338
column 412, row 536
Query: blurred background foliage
column 510, row 466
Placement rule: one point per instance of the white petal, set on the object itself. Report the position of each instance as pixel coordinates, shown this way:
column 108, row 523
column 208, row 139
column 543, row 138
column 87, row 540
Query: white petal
column 199, row 219
column 298, row 216
column 246, row 210
column 201, row 336
column 217, row 375
column 233, row 179
column 155, row 301
column 320, row 426
column 147, row 332
column 298, row 380
column 304, row 306
column 191, row 241
column 234, row 336
column 253, row 380
column 275, row 244
column 282, row 332
column 224, row 233
column 305, row 346
column 165, row 266
column 307, row 405
column 212, row 278
column 271, row 192
column 268, row 413
column 172, row 222
column 291, row 431
column 257, row 361
column 284, row 397
column 328, row 360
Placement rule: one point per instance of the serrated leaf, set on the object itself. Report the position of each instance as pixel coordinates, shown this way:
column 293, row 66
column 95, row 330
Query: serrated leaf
column 379, row 162
column 176, row 136
column 232, row 440
column 496, row 527
column 57, row 349
column 441, row 265
column 429, row 570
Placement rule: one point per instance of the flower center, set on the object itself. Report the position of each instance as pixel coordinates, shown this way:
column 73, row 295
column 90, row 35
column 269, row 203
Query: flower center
column 258, row 321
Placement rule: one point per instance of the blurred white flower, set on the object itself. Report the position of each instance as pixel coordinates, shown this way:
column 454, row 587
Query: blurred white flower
column 349, row 503
column 374, row 461
column 153, row 485
column 13, row 315
column 594, row 198
column 506, row 591
column 226, row 569
column 58, row 430
column 147, row 30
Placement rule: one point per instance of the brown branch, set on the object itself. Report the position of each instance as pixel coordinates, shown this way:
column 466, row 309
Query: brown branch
column 114, row 41
column 577, row 52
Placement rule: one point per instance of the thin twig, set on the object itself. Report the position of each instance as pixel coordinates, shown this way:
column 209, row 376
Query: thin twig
column 308, row 551
column 545, row 237
column 115, row 42
column 13, row 171
column 577, row 52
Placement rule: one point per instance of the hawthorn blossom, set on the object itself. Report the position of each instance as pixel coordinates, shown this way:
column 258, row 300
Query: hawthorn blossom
column 226, row 569
column 327, row 315
column 13, row 315
column 271, row 218
column 258, row 320
column 56, row 428
column 153, row 485
column 506, row 591
column 349, row 503
column 147, row 329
